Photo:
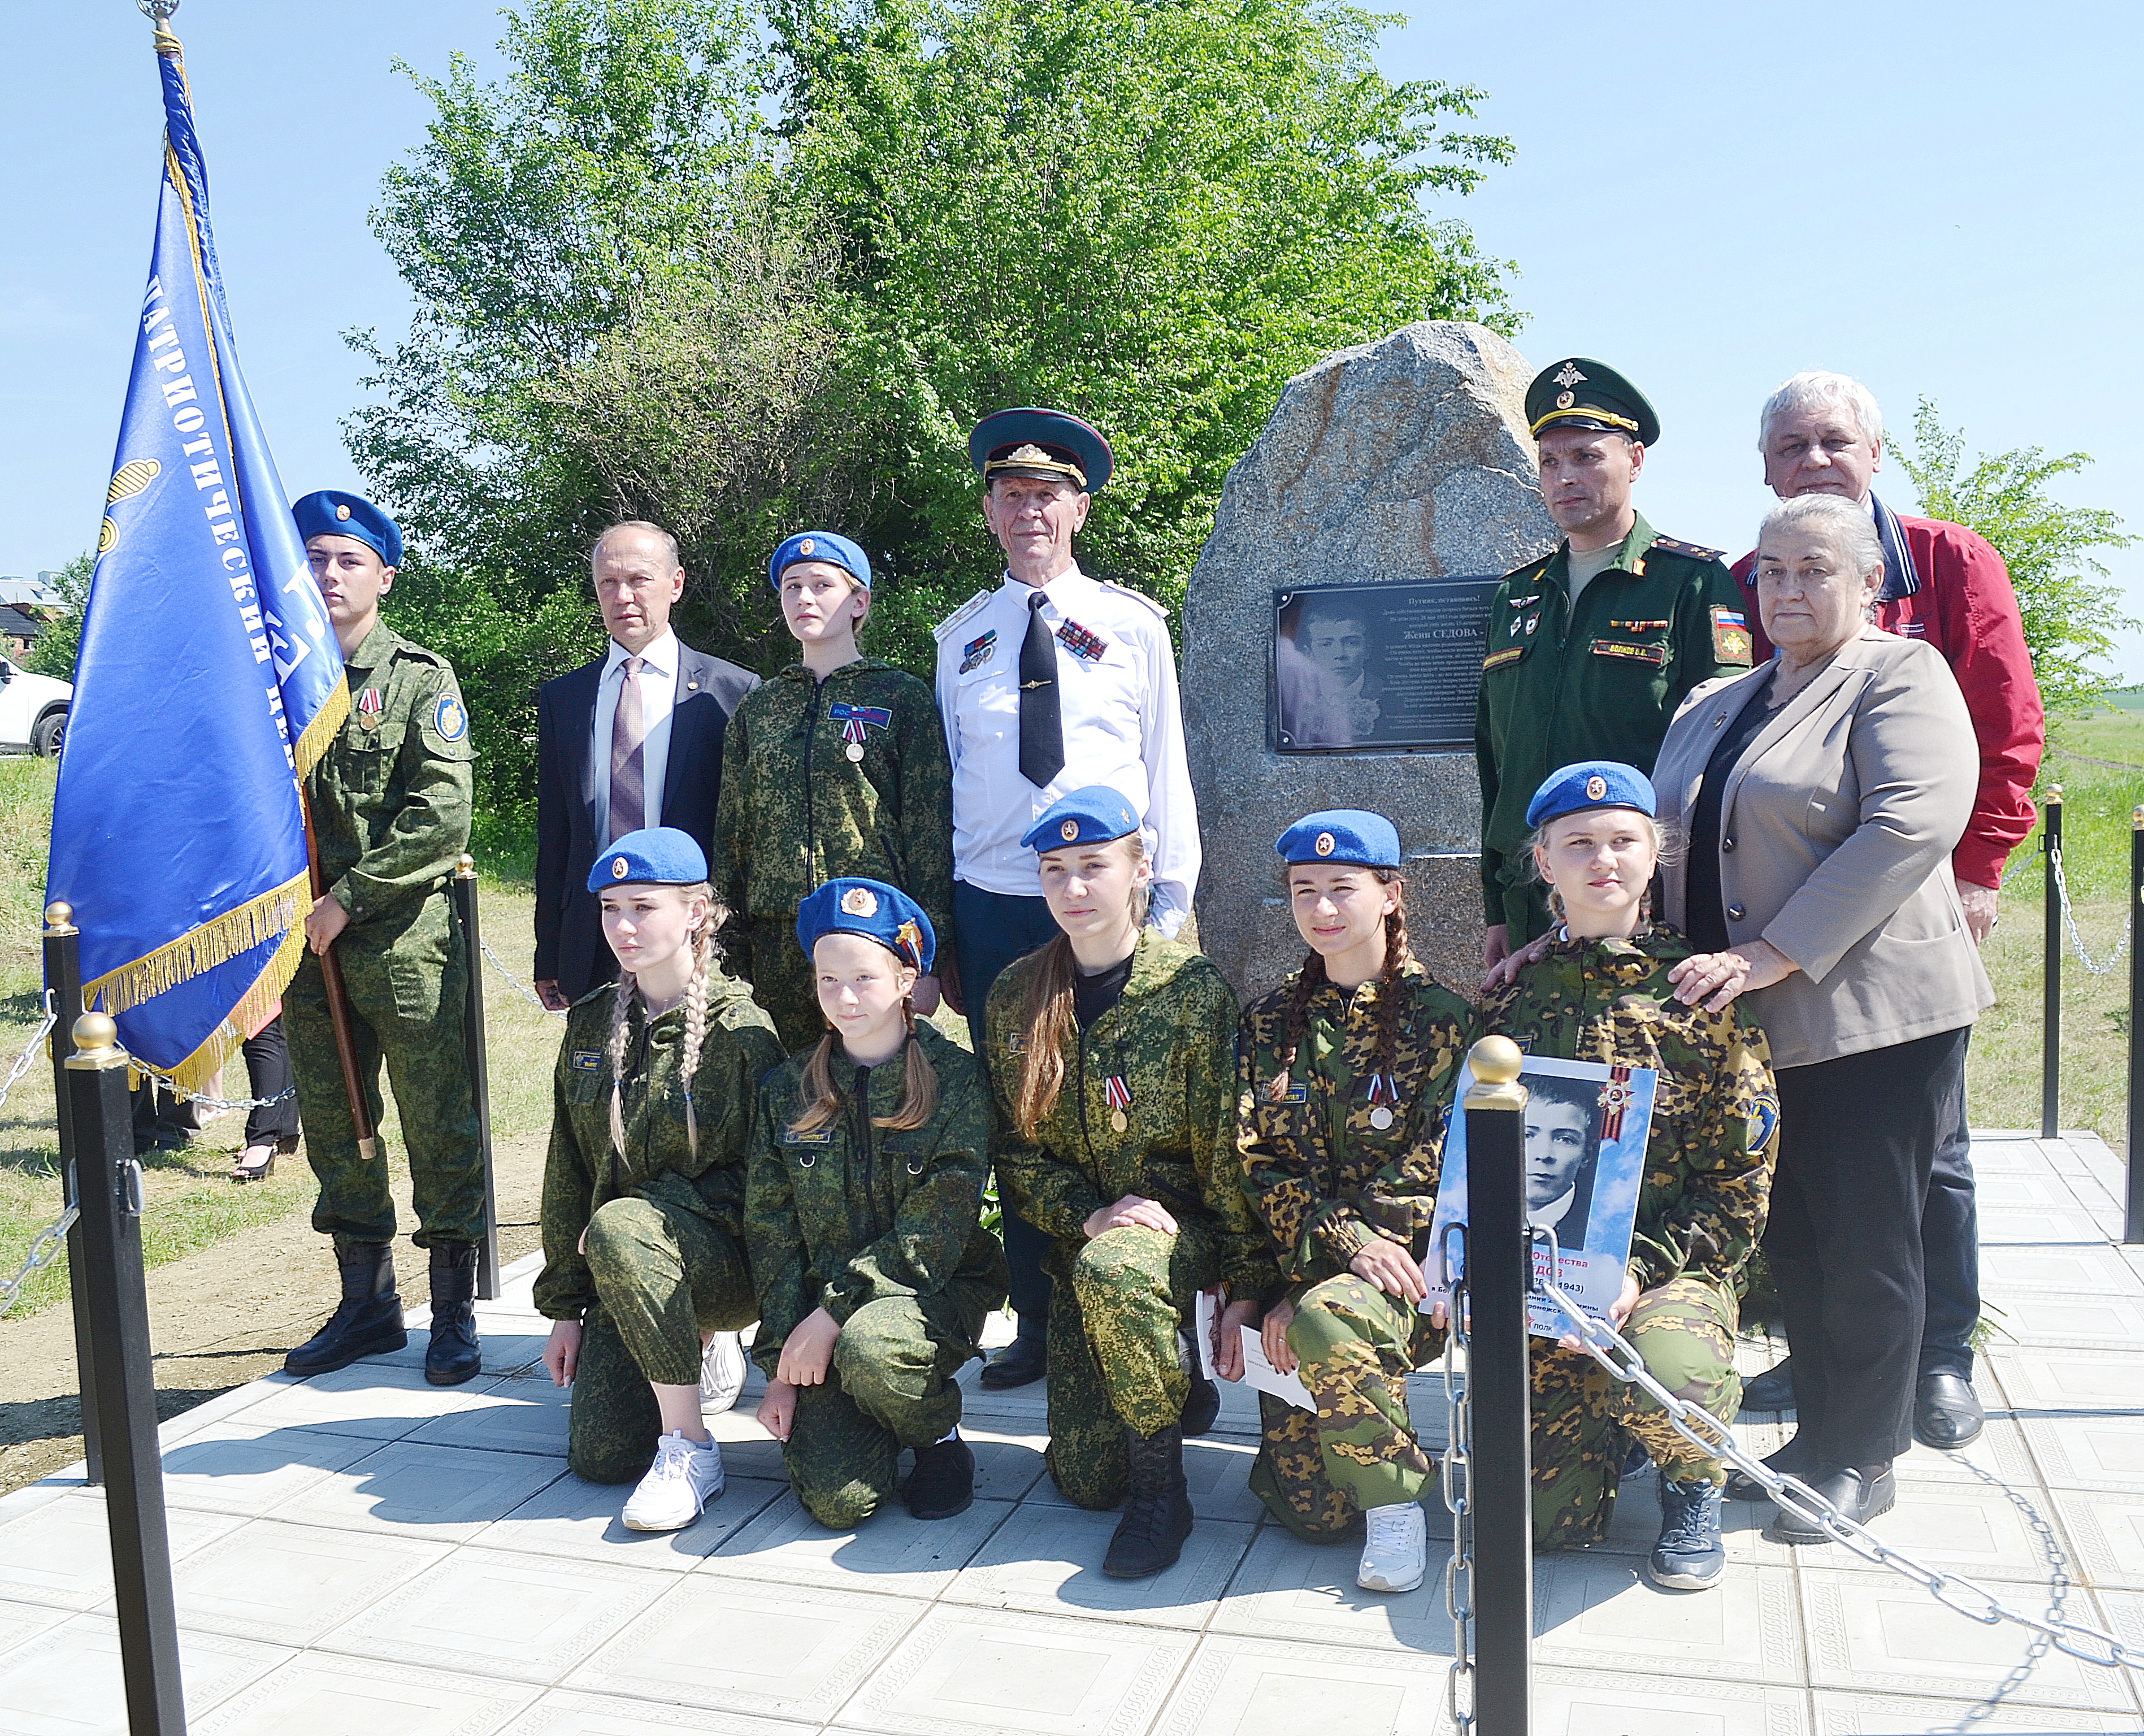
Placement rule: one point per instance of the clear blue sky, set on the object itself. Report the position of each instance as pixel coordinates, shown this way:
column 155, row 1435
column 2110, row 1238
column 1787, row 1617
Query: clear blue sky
column 1940, row 198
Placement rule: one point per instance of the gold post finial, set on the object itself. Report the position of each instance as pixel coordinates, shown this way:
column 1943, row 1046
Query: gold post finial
column 97, row 1044
column 2054, row 796
column 465, row 867
column 2136, row 819
column 59, row 918
column 1496, row 1062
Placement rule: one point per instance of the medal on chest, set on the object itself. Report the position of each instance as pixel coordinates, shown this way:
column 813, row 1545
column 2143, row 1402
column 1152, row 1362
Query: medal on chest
column 1119, row 1096
column 978, row 651
column 854, row 719
column 1384, row 1094
column 370, row 708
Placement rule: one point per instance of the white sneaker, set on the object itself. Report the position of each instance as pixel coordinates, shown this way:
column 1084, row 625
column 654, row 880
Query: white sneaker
column 1396, row 1555
column 722, row 1369
column 685, row 1475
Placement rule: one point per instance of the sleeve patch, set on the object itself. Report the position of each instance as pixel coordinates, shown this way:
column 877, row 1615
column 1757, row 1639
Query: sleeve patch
column 449, row 721
column 1731, row 643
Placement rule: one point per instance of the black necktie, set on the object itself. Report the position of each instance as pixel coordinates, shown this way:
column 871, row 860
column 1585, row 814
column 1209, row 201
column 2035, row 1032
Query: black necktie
column 1041, row 730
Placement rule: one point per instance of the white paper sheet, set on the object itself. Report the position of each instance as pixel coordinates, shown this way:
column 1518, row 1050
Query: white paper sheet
column 1258, row 1371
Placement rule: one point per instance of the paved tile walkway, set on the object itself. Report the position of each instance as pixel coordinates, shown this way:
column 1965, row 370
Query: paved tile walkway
column 365, row 1554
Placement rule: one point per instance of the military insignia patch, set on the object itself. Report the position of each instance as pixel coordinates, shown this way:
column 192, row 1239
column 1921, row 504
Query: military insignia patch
column 586, row 1060
column 790, row 1136
column 1082, row 641
column 1568, row 376
column 1520, row 602
column 1764, row 1119
column 342, row 511
column 978, row 651
column 1497, row 659
column 449, row 720
column 1532, row 622
column 1595, row 787
column 1634, row 653
column 1324, row 846
column 1731, row 643
column 1068, row 831
column 619, row 868
column 1297, row 1092
column 1564, row 400
column 805, row 546
column 860, row 902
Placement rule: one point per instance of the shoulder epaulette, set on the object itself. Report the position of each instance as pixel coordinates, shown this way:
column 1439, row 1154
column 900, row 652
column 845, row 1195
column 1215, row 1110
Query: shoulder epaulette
column 1527, row 574
column 594, row 995
column 944, row 629
column 1690, row 551
column 1111, row 585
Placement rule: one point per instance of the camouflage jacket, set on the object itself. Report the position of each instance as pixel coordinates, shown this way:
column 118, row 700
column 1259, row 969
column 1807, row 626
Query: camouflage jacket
column 1715, row 1111
column 391, row 796
column 1169, row 1040
column 1324, row 1176
column 797, row 811
column 583, row 1171
column 852, row 1214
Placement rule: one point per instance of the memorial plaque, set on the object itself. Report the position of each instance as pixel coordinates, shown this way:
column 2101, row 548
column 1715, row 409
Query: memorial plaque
column 1384, row 667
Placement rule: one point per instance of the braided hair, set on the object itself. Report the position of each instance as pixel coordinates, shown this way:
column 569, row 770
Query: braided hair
column 1295, row 1013
column 705, row 951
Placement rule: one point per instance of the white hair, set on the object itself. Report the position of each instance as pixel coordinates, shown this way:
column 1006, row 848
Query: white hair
column 642, row 525
column 1847, row 523
column 1813, row 388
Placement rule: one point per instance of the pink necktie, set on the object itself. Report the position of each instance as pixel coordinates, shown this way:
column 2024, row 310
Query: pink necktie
column 628, row 799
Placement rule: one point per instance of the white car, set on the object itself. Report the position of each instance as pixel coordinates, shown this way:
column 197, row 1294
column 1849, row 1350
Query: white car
column 34, row 710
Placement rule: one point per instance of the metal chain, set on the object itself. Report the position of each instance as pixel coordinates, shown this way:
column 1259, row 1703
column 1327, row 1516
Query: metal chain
column 1458, row 1482
column 182, row 1095
column 44, row 1248
column 1791, row 1495
column 2069, row 919
column 29, row 1053
column 520, row 987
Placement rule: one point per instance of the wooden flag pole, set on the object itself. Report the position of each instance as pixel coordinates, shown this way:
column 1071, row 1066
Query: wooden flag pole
column 368, row 1143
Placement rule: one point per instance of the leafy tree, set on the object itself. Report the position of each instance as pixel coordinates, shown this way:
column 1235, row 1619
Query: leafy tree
column 2070, row 621
column 739, row 270
column 54, row 653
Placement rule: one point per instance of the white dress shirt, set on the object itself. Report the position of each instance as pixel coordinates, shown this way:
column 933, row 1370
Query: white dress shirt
column 1123, row 724
column 657, row 683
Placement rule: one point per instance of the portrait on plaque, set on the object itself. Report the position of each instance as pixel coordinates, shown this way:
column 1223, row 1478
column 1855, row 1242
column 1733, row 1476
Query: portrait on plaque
column 1378, row 667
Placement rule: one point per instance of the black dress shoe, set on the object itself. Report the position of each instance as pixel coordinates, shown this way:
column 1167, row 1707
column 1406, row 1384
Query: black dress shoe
column 1019, row 1363
column 1947, row 1413
column 1774, row 1390
column 1787, row 1461
column 1857, row 1499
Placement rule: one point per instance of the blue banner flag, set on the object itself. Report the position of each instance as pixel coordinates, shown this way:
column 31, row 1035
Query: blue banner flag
column 209, row 679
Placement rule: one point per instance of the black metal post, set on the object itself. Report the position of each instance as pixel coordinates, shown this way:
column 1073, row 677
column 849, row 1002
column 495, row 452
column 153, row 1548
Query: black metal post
column 2133, row 1214
column 63, row 982
column 487, row 1259
column 2051, row 1030
column 102, row 1127
column 1499, row 1277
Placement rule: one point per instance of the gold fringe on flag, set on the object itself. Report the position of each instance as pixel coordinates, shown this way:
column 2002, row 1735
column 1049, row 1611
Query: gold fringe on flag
column 273, row 915
column 202, row 1071
column 333, row 714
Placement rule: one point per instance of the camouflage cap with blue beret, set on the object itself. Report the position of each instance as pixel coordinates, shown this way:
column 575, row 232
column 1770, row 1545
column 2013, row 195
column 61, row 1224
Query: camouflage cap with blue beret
column 1591, row 784
column 1095, row 815
column 1352, row 835
column 854, row 906
column 820, row 545
column 656, row 855
column 331, row 512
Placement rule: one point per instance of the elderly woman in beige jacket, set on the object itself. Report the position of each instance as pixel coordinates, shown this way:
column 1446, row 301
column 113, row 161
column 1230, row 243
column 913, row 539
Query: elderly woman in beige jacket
column 1822, row 794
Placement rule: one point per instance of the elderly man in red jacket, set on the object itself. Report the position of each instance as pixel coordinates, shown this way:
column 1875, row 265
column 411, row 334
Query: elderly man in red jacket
column 1821, row 434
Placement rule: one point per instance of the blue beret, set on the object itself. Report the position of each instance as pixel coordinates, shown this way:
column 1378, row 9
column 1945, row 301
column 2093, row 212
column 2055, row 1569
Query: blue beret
column 1340, row 835
column 1051, row 444
column 1092, row 815
column 873, row 908
column 819, row 545
column 1591, row 784
column 330, row 513
column 659, row 855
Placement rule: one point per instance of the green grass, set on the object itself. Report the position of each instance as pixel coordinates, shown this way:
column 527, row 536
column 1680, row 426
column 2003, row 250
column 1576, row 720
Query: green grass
column 191, row 1205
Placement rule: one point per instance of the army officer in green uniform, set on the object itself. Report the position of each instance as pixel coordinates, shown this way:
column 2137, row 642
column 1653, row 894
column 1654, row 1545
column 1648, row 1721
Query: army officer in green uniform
column 1589, row 651
column 391, row 811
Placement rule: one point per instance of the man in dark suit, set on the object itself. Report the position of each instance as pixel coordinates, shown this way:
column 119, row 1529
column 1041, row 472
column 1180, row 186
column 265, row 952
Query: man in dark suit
column 632, row 740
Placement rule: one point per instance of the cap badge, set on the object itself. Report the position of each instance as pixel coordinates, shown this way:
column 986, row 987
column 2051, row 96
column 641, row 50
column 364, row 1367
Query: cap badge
column 1568, row 375
column 860, row 902
column 910, row 938
column 1030, row 455
column 1564, row 400
column 805, row 546
column 1597, row 787
column 342, row 511
column 619, row 868
column 1324, row 846
column 1069, row 832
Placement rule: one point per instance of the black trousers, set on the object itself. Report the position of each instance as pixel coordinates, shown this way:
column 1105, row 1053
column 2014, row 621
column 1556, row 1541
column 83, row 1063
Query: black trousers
column 268, row 1075
column 1950, row 1250
column 990, row 931
column 1857, row 1140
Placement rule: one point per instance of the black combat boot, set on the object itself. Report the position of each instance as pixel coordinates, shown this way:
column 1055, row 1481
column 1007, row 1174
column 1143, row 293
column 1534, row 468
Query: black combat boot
column 453, row 1356
column 368, row 1321
column 1157, row 1510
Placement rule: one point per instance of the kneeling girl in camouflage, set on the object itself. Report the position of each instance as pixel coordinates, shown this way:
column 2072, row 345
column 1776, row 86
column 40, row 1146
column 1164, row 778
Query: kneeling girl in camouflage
column 1111, row 1053
column 835, row 766
column 1343, row 1076
column 643, row 1189
column 864, row 1216
column 1598, row 989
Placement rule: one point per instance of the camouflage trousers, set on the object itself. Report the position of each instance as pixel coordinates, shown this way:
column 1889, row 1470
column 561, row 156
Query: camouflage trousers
column 1354, row 1347
column 663, row 1275
column 890, row 1385
column 784, row 984
column 1113, row 1359
column 1685, row 1331
column 405, row 1001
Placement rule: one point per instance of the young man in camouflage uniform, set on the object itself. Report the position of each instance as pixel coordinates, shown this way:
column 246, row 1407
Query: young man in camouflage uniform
column 389, row 803
column 836, row 767
column 865, row 1219
column 1606, row 990
column 1128, row 1169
